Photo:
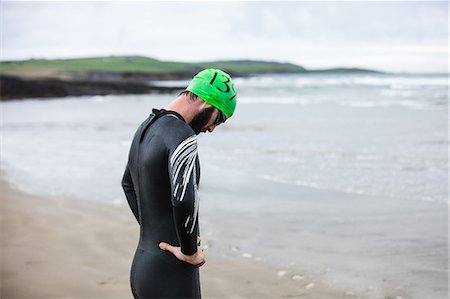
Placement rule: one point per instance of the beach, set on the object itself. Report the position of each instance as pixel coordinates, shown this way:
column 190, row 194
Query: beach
column 54, row 247
column 329, row 178
column 318, row 184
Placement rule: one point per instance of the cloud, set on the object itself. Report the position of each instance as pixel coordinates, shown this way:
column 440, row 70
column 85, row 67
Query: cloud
column 314, row 34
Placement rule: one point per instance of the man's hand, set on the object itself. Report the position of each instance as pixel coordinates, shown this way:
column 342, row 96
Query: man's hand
column 197, row 259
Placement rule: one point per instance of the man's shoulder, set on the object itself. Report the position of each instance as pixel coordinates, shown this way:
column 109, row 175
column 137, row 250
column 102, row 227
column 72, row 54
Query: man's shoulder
column 174, row 130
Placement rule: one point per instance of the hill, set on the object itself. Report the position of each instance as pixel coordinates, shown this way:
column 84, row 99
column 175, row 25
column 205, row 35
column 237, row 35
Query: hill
column 150, row 66
column 139, row 65
column 121, row 74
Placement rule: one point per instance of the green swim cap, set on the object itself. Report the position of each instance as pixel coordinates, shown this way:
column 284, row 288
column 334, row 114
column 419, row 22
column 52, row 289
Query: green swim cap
column 216, row 88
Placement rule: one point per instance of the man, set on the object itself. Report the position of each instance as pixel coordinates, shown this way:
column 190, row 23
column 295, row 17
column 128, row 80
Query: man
column 160, row 184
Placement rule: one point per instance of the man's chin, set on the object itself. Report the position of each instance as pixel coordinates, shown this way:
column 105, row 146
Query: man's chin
column 198, row 132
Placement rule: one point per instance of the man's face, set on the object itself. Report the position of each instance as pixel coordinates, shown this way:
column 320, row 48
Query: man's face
column 205, row 120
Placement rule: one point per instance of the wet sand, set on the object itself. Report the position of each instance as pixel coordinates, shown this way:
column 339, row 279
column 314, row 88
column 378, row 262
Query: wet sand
column 66, row 248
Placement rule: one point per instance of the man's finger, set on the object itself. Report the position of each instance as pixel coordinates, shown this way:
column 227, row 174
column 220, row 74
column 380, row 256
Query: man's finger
column 200, row 264
column 165, row 246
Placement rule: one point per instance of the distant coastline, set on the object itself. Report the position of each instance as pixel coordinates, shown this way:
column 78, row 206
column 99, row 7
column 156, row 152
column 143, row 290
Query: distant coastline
column 41, row 78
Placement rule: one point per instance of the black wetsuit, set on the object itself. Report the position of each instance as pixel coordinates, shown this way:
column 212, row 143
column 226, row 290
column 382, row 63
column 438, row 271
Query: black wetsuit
column 160, row 184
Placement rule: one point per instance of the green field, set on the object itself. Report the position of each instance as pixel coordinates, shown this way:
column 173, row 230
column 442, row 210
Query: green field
column 146, row 65
column 137, row 64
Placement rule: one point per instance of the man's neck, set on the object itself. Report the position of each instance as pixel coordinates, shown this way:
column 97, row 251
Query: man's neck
column 183, row 106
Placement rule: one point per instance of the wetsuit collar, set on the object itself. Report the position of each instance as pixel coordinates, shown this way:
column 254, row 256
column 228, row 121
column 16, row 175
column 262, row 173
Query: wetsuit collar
column 162, row 111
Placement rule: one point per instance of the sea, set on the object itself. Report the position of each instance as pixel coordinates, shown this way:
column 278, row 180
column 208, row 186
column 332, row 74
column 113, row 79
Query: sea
column 340, row 177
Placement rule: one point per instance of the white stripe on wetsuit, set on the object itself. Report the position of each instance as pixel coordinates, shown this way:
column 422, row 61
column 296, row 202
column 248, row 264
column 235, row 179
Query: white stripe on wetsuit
column 183, row 163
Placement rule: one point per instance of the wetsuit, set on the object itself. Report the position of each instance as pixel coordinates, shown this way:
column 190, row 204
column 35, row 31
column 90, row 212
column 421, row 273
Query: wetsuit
column 160, row 184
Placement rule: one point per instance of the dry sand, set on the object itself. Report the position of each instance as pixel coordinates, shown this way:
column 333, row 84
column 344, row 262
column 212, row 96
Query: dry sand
column 67, row 248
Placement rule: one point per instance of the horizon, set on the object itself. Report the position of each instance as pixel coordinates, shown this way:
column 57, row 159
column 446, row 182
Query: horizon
column 243, row 59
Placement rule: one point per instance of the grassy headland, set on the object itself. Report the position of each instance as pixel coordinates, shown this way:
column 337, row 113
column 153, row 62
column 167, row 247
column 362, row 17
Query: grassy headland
column 142, row 65
column 121, row 74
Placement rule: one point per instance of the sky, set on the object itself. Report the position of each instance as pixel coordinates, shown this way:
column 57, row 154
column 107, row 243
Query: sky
column 390, row 36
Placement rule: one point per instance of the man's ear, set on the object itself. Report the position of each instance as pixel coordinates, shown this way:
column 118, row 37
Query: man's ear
column 203, row 105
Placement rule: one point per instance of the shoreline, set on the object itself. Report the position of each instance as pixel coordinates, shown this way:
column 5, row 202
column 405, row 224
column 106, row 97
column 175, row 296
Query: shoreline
column 54, row 247
column 18, row 88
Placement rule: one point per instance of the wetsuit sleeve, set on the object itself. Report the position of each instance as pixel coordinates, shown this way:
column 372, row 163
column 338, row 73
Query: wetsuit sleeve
column 183, row 178
column 197, row 166
column 130, row 194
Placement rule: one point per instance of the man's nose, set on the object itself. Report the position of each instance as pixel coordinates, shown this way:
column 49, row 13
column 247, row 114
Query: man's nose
column 211, row 128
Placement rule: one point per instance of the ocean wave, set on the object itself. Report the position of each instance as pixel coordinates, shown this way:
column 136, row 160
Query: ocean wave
column 354, row 189
column 302, row 81
column 382, row 103
column 169, row 83
column 363, row 91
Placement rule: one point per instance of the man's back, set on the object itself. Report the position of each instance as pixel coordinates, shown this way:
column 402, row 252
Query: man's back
column 161, row 186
